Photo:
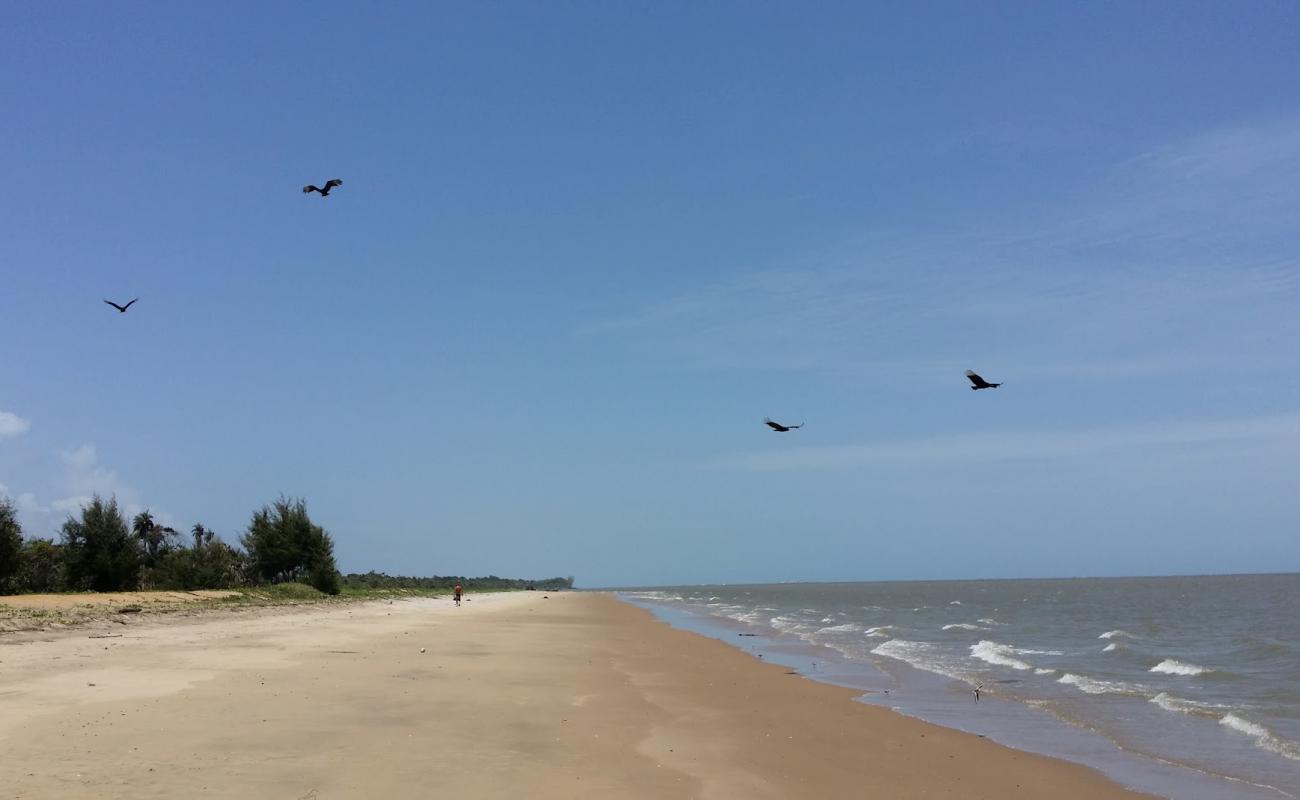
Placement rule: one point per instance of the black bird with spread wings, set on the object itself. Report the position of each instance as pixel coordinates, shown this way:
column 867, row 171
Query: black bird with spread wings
column 121, row 309
column 779, row 428
column 979, row 382
column 329, row 186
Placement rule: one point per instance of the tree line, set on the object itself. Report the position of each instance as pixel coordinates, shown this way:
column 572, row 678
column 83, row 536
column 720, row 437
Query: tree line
column 379, row 580
column 98, row 550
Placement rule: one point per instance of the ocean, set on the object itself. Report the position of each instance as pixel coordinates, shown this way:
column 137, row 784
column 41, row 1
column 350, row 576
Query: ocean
column 1187, row 687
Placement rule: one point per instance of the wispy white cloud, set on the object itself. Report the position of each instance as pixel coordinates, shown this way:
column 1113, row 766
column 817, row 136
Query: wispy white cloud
column 1183, row 258
column 12, row 425
column 965, row 449
column 76, row 476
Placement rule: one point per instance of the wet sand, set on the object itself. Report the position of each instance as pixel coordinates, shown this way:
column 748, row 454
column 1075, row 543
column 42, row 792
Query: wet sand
column 516, row 695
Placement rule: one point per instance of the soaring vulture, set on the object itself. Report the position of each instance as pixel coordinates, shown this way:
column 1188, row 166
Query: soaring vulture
column 779, row 428
column 979, row 382
column 329, row 186
column 121, row 309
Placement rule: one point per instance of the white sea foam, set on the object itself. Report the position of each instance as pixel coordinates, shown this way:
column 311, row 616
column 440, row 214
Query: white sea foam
column 1027, row 651
column 1000, row 654
column 1183, row 706
column 966, row 626
column 921, row 655
column 954, row 602
column 1094, row 686
column 989, row 621
column 1264, row 738
column 789, row 624
column 879, row 631
column 1042, row 671
column 847, row 627
column 1115, row 633
column 1171, row 667
column 1112, row 646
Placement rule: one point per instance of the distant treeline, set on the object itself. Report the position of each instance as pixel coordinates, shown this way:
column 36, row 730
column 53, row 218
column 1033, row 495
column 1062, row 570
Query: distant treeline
column 100, row 551
column 379, row 580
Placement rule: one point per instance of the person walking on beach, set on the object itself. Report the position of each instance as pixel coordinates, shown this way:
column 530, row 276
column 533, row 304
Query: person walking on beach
column 457, row 591
column 976, row 692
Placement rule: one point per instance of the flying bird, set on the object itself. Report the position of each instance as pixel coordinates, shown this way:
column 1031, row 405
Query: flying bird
column 329, row 186
column 979, row 382
column 121, row 309
column 779, row 428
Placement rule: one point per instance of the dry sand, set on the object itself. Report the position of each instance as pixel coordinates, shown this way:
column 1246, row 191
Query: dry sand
column 517, row 695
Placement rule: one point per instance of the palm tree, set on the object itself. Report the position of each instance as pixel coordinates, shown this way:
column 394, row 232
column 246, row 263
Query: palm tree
column 202, row 535
column 152, row 535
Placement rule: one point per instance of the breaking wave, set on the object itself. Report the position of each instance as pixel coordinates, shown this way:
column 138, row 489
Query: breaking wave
column 1094, row 686
column 1172, row 667
column 1116, row 633
column 921, row 655
column 1000, row 654
column 1264, row 738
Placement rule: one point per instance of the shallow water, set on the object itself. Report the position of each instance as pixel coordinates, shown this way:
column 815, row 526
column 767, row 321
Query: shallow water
column 1186, row 686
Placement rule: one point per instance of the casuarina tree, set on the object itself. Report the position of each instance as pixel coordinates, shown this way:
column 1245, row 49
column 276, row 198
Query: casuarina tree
column 283, row 544
column 99, row 550
column 11, row 546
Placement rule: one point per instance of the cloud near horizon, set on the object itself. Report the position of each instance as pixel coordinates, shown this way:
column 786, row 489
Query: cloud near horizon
column 83, row 477
column 12, row 425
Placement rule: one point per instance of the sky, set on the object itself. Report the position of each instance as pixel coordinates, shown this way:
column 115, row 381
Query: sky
column 583, row 249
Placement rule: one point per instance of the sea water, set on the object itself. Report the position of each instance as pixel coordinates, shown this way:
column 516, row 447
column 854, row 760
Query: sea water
column 1188, row 687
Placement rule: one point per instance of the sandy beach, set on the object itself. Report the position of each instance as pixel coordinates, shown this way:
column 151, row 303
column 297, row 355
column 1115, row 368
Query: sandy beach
column 515, row 695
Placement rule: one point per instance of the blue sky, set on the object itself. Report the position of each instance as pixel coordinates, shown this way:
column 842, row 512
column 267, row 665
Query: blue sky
column 582, row 249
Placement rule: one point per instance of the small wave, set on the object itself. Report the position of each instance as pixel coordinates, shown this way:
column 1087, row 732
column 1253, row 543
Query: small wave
column 656, row 596
column 999, row 654
column 966, row 626
column 788, row 623
column 1171, row 703
column 878, row 632
column 1110, row 647
column 1093, row 686
column 1264, row 738
column 1115, row 633
column 921, row 655
column 1026, row 651
column 847, row 627
column 989, row 621
column 1171, row 667
column 1042, row 671
column 954, row 602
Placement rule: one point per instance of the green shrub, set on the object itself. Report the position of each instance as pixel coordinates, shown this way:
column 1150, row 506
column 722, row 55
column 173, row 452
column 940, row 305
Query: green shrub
column 11, row 547
column 41, row 568
column 99, row 551
column 283, row 544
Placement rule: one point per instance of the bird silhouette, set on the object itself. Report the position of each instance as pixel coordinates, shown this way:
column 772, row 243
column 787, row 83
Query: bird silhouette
column 329, row 186
column 979, row 382
column 779, row 428
column 121, row 309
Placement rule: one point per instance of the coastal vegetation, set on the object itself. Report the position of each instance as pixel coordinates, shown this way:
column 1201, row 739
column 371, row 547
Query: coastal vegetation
column 282, row 555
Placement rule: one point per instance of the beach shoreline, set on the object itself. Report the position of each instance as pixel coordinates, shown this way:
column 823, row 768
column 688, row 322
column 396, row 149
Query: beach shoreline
column 535, row 694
